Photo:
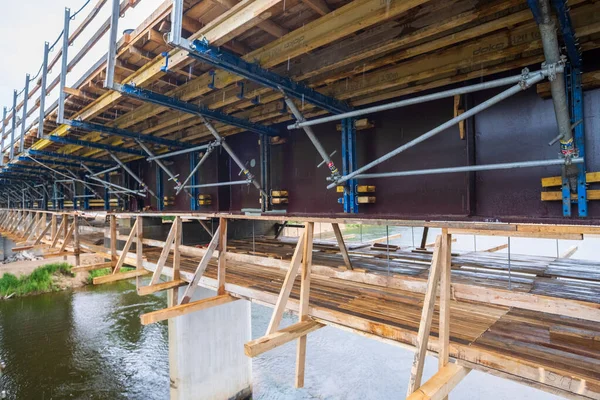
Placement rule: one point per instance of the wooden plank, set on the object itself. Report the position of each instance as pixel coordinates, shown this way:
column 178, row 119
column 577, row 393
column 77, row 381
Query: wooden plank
column 445, row 295
column 441, row 384
column 174, row 284
column 182, row 309
column 221, row 273
column 592, row 194
column 68, row 237
column 120, row 276
column 139, row 249
column 261, row 345
column 164, row 253
column 541, row 234
column 113, row 240
column 416, row 372
column 340, row 239
column 126, row 248
column 304, row 300
column 92, row 267
column 42, row 234
column 286, row 288
column 191, row 288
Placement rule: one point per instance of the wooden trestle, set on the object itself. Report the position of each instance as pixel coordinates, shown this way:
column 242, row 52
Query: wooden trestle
column 544, row 331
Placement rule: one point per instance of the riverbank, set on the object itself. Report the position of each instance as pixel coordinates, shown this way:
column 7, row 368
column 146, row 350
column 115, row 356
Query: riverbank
column 25, row 278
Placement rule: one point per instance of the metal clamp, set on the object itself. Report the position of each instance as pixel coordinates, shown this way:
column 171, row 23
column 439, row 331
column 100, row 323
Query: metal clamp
column 165, row 68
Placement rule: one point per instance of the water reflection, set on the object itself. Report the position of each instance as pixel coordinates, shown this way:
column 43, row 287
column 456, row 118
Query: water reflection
column 87, row 344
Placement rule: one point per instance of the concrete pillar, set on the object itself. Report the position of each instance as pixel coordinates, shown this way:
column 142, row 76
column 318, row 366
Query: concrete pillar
column 206, row 352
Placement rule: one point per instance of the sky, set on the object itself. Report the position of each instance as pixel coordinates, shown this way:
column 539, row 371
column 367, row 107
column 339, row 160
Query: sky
column 27, row 24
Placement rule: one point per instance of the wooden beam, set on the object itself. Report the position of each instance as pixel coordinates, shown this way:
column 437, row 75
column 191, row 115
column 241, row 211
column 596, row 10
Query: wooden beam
column 174, row 284
column 221, row 270
column 569, row 252
column 120, row 276
column 496, row 248
column 139, row 248
column 304, row 301
column 126, row 248
column 318, row 6
column 113, row 240
column 340, row 239
column 445, row 295
column 592, row 194
column 286, row 288
column 41, row 236
column 541, row 234
column 441, row 384
column 191, row 288
column 92, row 267
column 182, row 309
column 416, row 372
column 591, row 177
column 68, row 236
column 261, row 345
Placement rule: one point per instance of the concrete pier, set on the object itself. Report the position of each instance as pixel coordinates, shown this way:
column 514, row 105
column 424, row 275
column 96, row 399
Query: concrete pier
column 206, row 352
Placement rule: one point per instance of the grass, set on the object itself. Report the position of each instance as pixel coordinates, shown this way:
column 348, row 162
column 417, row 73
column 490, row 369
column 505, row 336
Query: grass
column 104, row 271
column 39, row 281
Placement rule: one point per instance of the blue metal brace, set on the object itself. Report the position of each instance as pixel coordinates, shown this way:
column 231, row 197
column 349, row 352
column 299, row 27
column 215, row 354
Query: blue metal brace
column 350, row 200
column 190, row 108
column 43, row 153
column 575, row 95
column 203, row 51
column 568, row 33
column 94, row 145
column 91, row 127
column 87, row 193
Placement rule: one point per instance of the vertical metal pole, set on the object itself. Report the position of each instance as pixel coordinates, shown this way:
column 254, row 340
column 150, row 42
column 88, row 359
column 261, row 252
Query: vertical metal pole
column 194, row 194
column 63, row 69
column 107, row 192
column 132, row 174
column 177, row 23
column 111, row 56
column 14, row 125
column 24, row 118
column 4, row 112
column 43, row 91
column 265, row 168
column 509, row 267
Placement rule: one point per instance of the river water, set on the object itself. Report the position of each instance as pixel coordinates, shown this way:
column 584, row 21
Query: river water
column 84, row 344
column 89, row 344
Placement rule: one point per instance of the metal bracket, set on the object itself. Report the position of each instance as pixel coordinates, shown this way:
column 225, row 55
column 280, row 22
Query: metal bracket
column 212, row 74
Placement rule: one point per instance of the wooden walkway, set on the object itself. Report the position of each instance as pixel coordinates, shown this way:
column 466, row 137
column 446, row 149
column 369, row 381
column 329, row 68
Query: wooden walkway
column 539, row 349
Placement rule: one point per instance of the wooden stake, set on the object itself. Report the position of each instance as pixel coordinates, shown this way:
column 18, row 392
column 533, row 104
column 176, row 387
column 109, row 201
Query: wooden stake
column 174, row 297
column 416, row 372
column 304, row 301
column 222, row 256
column 57, row 232
column 342, row 245
column 76, row 246
column 53, row 231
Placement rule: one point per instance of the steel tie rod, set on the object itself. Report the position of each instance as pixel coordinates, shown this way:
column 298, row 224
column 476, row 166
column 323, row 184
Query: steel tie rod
column 527, row 81
column 196, row 168
column 130, row 172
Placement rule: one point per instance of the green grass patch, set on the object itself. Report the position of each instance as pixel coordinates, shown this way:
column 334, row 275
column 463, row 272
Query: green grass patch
column 105, row 271
column 39, row 281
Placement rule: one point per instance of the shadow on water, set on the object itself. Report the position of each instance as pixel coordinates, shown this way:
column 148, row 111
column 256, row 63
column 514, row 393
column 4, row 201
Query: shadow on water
column 86, row 344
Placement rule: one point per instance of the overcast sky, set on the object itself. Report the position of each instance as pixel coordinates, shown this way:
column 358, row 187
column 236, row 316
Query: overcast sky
column 27, row 24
